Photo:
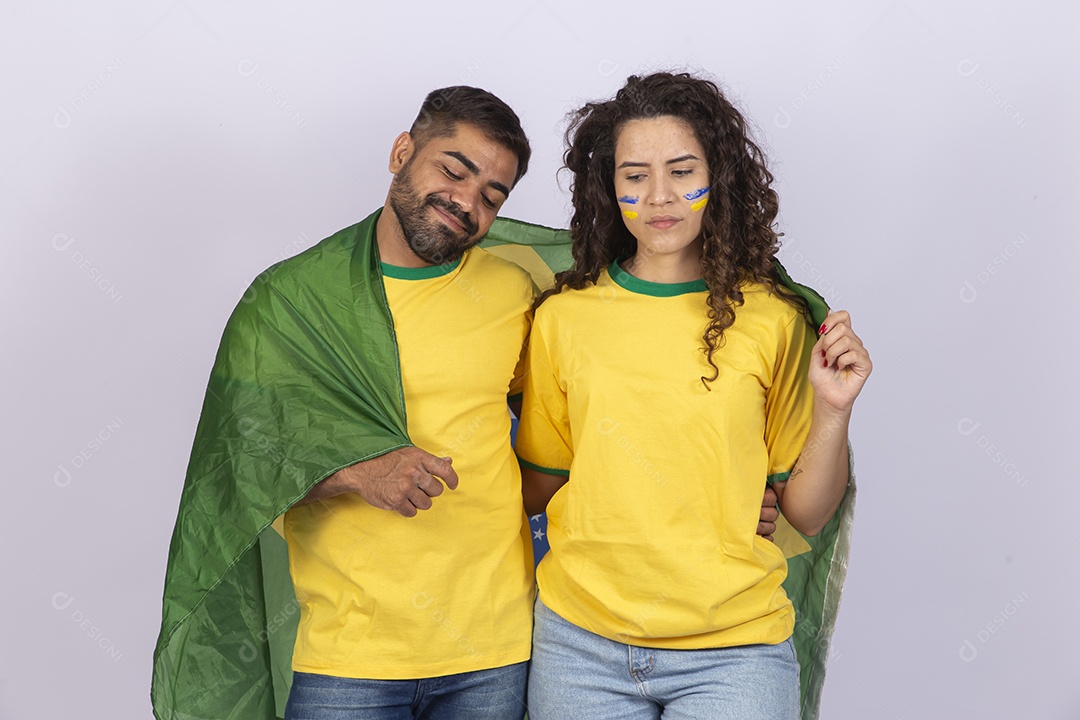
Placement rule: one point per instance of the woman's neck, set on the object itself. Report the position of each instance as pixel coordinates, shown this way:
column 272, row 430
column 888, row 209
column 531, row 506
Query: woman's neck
column 664, row 268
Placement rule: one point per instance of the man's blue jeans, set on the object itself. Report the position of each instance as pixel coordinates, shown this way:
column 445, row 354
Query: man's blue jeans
column 496, row 694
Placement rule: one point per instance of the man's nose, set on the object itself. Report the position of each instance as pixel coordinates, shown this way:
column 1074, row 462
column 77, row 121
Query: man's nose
column 465, row 198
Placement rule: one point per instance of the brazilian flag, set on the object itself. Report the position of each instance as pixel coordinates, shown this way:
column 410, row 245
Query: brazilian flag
column 306, row 382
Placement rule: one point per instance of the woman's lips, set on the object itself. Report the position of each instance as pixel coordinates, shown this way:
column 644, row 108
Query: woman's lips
column 662, row 222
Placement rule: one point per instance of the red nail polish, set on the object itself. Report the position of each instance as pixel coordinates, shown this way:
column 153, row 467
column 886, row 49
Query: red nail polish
column 822, row 353
column 823, row 329
column 825, row 363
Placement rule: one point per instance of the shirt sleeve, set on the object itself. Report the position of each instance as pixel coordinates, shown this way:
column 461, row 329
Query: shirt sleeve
column 789, row 402
column 544, row 441
column 518, row 383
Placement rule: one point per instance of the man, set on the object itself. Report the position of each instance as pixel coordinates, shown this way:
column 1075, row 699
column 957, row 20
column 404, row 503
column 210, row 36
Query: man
column 357, row 384
column 430, row 616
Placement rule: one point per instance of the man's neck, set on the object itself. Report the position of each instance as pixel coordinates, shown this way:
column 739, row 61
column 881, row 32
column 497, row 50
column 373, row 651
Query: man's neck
column 393, row 249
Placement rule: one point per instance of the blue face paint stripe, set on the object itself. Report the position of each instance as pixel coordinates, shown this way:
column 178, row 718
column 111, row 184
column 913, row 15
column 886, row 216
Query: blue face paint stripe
column 696, row 194
column 628, row 200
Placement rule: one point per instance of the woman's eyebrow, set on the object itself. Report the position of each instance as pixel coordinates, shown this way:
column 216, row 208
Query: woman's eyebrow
column 681, row 158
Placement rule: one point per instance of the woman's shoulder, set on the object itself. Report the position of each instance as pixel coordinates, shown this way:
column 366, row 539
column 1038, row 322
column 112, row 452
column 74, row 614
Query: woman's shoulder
column 569, row 307
column 766, row 305
column 569, row 299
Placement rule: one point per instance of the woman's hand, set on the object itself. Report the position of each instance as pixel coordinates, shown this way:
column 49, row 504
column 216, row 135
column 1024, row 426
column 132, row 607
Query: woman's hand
column 840, row 364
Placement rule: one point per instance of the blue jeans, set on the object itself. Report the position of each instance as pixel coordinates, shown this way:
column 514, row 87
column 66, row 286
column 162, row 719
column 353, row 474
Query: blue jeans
column 577, row 675
column 496, row 694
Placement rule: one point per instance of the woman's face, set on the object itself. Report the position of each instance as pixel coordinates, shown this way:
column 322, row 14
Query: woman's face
column 662, row 184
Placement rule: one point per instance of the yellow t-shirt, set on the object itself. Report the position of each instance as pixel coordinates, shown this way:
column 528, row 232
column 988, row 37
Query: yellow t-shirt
column 653, row 537
column 388, row 597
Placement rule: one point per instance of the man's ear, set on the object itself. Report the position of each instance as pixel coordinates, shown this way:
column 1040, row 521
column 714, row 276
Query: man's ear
column 400, row 152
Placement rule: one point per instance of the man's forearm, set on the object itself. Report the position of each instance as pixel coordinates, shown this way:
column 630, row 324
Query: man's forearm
column 403, row 480
column 327, row 488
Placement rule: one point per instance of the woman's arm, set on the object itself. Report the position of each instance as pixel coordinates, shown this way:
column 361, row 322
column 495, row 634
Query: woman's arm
column 813, row 491
column 838, row 369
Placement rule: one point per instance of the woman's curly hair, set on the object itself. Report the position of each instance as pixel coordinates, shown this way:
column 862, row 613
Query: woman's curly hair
column 740, row 242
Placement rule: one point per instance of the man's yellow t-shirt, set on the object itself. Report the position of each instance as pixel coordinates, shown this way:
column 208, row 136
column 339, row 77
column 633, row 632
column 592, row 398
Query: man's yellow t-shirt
column 653, row 537
column 383, row 596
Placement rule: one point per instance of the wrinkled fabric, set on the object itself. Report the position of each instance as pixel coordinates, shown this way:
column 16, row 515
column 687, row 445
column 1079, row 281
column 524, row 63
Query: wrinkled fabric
column 816, row 575
column 307, row 381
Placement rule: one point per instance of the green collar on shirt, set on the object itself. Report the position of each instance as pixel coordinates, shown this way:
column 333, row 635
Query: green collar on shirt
column 644, row 287
column 419, row 273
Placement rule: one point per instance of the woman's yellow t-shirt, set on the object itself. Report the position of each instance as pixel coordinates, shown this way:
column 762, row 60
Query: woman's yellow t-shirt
column 654, row 536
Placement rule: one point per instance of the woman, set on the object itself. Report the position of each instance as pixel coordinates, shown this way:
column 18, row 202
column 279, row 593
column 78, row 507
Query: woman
column 670, row 376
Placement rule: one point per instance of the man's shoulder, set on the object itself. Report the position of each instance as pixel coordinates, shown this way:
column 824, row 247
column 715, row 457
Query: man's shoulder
column 332, row 252
column 322, row 270
column 484, row 267
column 488, row 262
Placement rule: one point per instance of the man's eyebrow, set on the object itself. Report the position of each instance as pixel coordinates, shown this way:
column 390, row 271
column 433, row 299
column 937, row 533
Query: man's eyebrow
column 469, row 164
column 471, row 167
column 672, row 161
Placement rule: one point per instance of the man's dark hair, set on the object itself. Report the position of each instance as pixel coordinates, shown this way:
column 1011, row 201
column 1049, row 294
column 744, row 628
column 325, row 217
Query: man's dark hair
column 445, row 108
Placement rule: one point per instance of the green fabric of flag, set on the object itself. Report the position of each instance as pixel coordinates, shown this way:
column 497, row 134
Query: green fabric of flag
column 816, row 577
column 307, row 381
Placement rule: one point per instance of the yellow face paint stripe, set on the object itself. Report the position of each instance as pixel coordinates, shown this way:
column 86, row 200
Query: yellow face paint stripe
column 630, row 214
column 699, row 204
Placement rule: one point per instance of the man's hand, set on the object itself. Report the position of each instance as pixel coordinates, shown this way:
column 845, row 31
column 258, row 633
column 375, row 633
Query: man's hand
column 769, row 513
column 402, row 480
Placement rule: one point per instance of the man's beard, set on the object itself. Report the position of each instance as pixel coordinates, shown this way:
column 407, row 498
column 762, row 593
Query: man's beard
column 432, row 241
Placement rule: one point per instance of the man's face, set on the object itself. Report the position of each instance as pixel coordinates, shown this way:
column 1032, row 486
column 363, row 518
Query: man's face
column 448, row 192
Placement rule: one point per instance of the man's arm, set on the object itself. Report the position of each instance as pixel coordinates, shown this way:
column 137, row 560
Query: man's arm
column 402, row 480
column 769, row 514
column 537, row 489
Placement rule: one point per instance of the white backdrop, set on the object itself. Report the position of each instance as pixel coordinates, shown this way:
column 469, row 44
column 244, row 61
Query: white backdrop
column 156, row 156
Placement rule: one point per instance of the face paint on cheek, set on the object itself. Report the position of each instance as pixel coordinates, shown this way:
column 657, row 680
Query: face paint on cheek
column 629, row 200
column 699, row 193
